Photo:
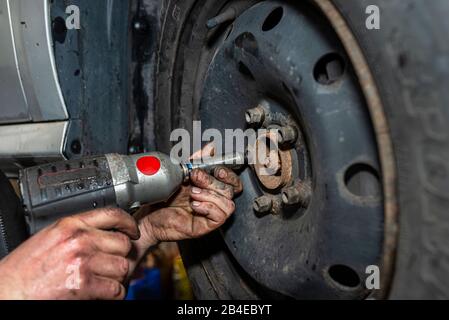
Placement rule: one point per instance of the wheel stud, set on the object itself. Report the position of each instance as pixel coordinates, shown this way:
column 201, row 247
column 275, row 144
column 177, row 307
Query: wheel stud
column 228, row 15
column 287, row 135
column 255, row 117
column 299, row 194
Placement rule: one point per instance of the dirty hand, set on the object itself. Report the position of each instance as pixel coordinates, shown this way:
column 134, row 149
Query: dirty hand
column 195, row 211
column 76, row 258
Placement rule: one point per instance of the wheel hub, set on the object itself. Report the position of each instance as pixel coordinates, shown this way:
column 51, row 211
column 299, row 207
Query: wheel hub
column 274, row 167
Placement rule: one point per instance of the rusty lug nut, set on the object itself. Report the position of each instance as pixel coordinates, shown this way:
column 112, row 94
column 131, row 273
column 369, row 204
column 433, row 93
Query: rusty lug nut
column 287, row 134
column 263, row 204
column 255, row 117
column 299, row 194
column 277, row 205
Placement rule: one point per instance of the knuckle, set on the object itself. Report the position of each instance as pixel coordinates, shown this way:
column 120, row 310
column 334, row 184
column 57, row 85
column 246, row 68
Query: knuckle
column 217, row 171
column 196, row 175
column 83, row 265
column 210, row 207
column 62, row 223
column 203, row 178
column 115, row 289
column 135, row 227
column 121, row 265
column 69, row 222
column 78, row 241
column 208, row 194
column 231, row 207
column 212, row 193
column 67, row 226
column 124, row 263
column 229, row 191
column 113, row 213
column 125, row 242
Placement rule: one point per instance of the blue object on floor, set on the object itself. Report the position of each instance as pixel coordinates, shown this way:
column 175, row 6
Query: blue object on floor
column 147, row 288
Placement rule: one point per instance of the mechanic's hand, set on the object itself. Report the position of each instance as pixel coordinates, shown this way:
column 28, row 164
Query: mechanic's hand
column 195, row 211
column 76, row 258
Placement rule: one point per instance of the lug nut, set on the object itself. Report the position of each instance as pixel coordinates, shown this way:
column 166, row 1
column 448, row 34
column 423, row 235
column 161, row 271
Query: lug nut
column 287, row 134
column 255, row 117
column 263, row 204
column 299, row 194
column 291, row 196
column 268, row 205
column 277, row 205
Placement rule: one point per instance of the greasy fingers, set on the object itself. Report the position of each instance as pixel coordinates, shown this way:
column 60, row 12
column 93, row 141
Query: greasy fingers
column 201, row 179
column 229, row 177
column 106, row 289
column 79, row 257
column 223, row 203
column 109, row 266
column 112, row 218
column 212, row 198
column 214, row 215
column 111, row 242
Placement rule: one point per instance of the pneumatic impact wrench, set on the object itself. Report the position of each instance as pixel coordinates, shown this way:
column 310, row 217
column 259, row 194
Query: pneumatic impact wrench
column 53, row 191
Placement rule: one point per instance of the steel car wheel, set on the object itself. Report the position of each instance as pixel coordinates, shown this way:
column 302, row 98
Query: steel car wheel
column 304, row 66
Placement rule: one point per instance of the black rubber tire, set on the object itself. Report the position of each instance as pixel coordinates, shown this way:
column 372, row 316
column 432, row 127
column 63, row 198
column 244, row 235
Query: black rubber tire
column 409, row 58
column 12, row 218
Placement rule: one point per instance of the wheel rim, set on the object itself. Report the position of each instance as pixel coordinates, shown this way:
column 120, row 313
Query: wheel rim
column 302, row 252
column 319, row 283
